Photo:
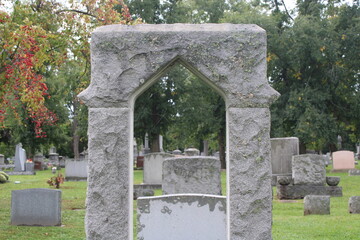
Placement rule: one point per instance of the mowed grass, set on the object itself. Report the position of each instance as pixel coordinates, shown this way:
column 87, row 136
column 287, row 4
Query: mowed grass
column 289, row 223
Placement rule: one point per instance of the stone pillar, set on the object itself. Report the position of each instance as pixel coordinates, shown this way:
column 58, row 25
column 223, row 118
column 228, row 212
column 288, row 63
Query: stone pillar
column 206, row 147
column 108, row 195
column 250, row 172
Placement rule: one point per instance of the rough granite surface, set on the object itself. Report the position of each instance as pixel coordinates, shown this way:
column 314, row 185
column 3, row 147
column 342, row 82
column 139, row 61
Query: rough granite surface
column 127, row 60
column 107, row 202
column 191, row 175
column 319, row 205
column 250, row 173
column 309, row 169
column 354, row 204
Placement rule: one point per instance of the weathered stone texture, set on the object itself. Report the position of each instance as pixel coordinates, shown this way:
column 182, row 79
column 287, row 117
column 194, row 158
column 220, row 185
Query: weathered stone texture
column 249, row 173
column 308, row 169
column 191, row 175
column 282, row 150
column 219, row 52
column 300, row 191
column 319, row 205
column 182, row 216
column 126, row 60
column 108, row 200
column 354, row 204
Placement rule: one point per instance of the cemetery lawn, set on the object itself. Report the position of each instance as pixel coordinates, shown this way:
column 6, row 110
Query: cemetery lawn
column 289, row 223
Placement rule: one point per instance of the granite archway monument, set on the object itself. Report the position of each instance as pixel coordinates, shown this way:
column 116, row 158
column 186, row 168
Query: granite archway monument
column 126, row 60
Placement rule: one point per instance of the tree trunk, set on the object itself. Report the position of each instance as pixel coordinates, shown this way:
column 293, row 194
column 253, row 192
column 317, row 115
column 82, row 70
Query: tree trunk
column 155, row 144
column 76, row 138
column 302, row 148
column 222, row 145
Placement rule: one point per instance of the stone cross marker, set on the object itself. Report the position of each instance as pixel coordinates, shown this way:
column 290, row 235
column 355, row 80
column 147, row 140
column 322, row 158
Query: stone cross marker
column 126, row 61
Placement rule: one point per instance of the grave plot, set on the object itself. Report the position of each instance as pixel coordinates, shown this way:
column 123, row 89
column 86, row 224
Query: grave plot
column 308, row 178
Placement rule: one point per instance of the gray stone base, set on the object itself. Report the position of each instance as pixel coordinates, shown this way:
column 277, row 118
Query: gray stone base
column 7, row 166
column 74, row 179
column 300, row 191
column 21, row 173
column 354, row 172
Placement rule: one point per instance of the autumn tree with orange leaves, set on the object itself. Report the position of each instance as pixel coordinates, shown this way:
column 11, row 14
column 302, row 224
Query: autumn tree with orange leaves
column 38, row 39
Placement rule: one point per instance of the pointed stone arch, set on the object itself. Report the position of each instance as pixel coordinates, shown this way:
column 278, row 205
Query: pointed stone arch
column 126, row 60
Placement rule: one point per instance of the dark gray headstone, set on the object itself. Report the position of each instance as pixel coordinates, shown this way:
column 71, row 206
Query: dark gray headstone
column 282, row 150
column 36, row 207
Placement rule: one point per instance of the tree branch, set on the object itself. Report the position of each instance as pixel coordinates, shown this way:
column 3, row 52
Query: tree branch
column 77, row 11
column 287, row 12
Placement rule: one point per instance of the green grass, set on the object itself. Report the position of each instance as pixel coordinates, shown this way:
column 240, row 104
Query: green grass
column 289, row 223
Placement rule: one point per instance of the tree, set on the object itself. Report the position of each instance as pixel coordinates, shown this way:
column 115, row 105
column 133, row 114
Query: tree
column 37, row 39
column 309, row 64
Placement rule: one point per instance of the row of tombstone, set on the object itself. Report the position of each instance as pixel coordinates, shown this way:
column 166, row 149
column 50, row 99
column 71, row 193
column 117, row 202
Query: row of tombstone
column 283, row 149
column 191, row 187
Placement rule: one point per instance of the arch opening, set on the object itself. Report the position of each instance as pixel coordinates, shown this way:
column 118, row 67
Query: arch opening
column 181, row 108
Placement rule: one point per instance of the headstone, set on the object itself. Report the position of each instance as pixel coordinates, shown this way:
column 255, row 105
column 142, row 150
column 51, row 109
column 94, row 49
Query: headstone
column 20, row 158
column 146, row 148
column 354, row 204
column 76, row 170
column 282, row 150
column 62, row 161
column 153, row 167
column 354, row 172
column 177, row 152
column 161, row 143
column 180, row 217
column 36, row 207
column 29, row 166
column 2, row 159
column 127, row 60
column 343, row 160
column 54, row 159
column 191, row 175
column 308, row 169
column 314, row 204
column 192, row 152
column 52, row 150
column 206, row 147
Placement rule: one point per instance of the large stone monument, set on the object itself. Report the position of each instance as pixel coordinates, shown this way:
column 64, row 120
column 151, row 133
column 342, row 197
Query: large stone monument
column 126, row 61
column 20, row 158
